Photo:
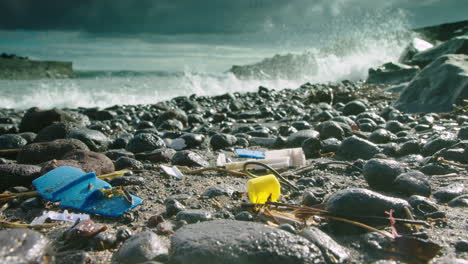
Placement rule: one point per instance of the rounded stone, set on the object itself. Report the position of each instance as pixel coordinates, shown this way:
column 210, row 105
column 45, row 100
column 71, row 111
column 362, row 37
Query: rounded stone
column 354, row 108
column 380, row 173
column 22, row 246
column 295, row 140
column 357, row 148
column 145, row 142
column 221, row 141
column 12, row 141
column 413, row 182
column 144, row 246
column 194, row 215
column 236, row 242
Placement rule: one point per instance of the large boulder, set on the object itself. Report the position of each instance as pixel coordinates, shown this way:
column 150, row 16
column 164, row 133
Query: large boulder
column 40, row 152
column 392, row 73
column 437, row 87
column 35, row 119
column 458, row 45
column 18, row 174
column 86, row 160
column 94, row 139
column 416, row 46
column 235, row 242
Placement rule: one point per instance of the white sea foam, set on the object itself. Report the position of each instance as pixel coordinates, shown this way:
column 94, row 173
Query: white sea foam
column 342, row 56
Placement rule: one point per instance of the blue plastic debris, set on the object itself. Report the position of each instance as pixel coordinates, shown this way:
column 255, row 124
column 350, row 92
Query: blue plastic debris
column 246, row 153
column 75, row 189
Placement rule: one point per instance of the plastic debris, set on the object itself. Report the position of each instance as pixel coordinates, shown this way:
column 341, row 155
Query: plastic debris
column 296, row 156
column 173, row 171
column 279, row 163
column 75, row 189
column 221, row 160
column 264, row 189
column 246, row 153
column 56, row 216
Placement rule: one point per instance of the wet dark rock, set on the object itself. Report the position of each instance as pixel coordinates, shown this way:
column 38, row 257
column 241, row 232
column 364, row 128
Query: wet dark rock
column 461, row 246
column 463, row 133
column 244, row 216
column 193, row 140
column 457, row 155
column 409, row 147
column 40, row 152
column 218, row 190
column 23, row 246
column 222, row 141
column 413, row 182
column 394, row 126
column 95, row 140
column 34, row 120
column 173, row 207
column 311, row 147
column 128, row 163
column 12, row 141
column 123, row 233
column 145, row 124
column 31, row 203
column 115, row 154
column 331, row 250
column 444, row 140
column 288, row 228
column 73, row 257
column 330, row 145
column 437, row 87
column 295, row 140
column 103, row 241
column 354, row 108
column 122, row 141
column 194, row 215
column 29, row 136
column 127, row 180
column 392, row 73
column 330, row 129
column 159, row 155
column 86, row 160
column 449, row 192
column 380, row 173
column 381, row 136
column 355, row 202
column 18, row 174
column 171, row 125
column 459, row 201
column 416, row 46
column 357, row 148
column 203, row 242
column 145, row 142
column 175, row 114
column 189, row 158
column 436, row 169
column 309, row 198
column 57, row 130
column 285, row 130
column 144, row 246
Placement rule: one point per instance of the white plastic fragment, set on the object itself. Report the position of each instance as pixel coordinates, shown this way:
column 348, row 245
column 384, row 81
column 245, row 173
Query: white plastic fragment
column 177, row 144
column 173, row 171
column 56, row 216
column 277, row 159
column 221, row 160
column 295, row 154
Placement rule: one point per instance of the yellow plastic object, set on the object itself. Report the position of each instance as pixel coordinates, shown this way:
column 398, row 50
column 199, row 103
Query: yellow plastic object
column 263, row 189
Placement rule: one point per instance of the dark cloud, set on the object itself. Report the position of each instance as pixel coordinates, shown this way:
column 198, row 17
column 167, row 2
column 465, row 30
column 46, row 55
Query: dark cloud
column 206, row 16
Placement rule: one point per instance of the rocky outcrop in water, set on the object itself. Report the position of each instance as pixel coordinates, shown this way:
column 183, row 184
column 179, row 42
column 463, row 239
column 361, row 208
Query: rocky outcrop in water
column 21, row 68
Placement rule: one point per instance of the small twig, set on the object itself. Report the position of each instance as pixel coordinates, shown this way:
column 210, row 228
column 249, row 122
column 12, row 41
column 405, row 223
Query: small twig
column 442, row 160
column 10, row 150
column 384, row 233
column 7, row 224
column 415, row 228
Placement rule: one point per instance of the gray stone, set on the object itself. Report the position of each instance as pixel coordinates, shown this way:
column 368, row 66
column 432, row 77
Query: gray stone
column 354, row 108
column 18, row 174
column 189, row 158
column 413, row 182
column 222, row 141
column 94, row 139
column 194, row 215
column 22, row 246
column 239, row 242
column 144, row 246
column 459, row 201
column 295, row 140
column 145, row 142
column 332, row 251
column 127, row 180
column 57, row 130
column 381, row 136
column 422, row 204
column 128, row 163
column 86, row 160
column 219, row 189
column 416, row 46
column 437, row 87
column 444, row 140
column 357, row 148
column 41, row 152
column 450, row 192
column 356, row 202
column 380, row 173
column 73, row 257
column 157, row 156
column 35, row 119
column 12, row 141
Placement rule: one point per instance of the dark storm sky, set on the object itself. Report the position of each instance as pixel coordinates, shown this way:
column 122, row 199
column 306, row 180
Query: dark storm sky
column 173, row 17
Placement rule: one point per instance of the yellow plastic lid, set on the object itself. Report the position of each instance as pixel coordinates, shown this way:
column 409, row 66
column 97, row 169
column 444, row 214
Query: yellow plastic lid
column 263, row 189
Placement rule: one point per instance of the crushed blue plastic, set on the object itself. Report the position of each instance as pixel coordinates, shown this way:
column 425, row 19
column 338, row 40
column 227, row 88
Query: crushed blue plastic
column 246, row 153
column 75, row 189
